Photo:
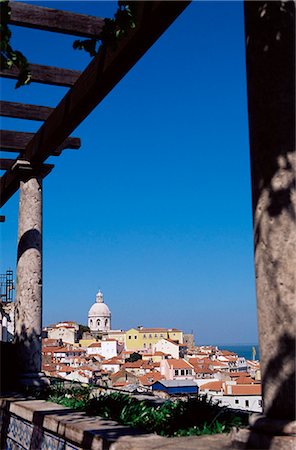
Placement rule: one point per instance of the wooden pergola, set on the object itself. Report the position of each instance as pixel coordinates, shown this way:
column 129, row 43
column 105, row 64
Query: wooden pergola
column 87, row 88
column 270, row 58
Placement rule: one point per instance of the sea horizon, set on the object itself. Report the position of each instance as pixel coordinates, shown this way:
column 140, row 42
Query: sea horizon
column 245, row 350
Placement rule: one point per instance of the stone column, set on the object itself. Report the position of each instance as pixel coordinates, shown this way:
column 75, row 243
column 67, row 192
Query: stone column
column 270, row 51
column 28, row 308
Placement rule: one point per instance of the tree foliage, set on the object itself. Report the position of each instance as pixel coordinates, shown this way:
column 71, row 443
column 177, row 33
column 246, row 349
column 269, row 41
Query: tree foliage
column 113, row 31
column 10, row 57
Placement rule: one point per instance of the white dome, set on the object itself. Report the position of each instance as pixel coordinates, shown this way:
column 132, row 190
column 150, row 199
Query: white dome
column 99, row 315
column 100, row 310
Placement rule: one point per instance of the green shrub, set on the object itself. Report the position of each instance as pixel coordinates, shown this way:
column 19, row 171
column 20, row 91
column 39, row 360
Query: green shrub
column 196, row 416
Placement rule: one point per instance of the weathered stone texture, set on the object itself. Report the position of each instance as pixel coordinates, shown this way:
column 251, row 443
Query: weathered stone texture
column 28, row 309
column 270, row 37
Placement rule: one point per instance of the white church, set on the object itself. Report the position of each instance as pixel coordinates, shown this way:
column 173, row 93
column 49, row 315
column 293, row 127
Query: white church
column 99, row 316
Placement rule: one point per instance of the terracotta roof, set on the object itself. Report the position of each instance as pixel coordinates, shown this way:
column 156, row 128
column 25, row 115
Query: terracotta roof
column 226, row 352
column 134, row 365
column 202, row 370
column 54, row 350
column 247, row 389
column 150, row 378
column 212, row 386
column 110, row 362
column 120, row 383
column 173, row 342
column 237, row 374
column 66, row 369
column 218, row 363
column 94, row 344
column 179, row 364
column 244, row 380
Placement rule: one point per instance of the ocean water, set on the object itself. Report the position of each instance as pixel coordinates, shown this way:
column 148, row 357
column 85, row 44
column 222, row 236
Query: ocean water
column 242, row 350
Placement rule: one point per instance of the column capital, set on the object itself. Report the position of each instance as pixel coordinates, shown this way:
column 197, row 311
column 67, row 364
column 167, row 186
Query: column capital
column 25, row 170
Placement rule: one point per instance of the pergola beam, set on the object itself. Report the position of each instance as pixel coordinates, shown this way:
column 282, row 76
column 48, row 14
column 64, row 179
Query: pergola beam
column 17, row 141
column 5, row 163
column 49, row 19
column 98, row 79
column 54, row 76
column 24, row 111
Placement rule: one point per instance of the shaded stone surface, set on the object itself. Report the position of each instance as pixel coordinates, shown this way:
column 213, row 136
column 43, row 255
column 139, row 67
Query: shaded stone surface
column 251, row 439
column 28, row 307
column 48, row 422
column 270, row 51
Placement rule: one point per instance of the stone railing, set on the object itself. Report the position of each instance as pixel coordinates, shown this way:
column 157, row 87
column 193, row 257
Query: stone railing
column 37, row 424
column 28, row 424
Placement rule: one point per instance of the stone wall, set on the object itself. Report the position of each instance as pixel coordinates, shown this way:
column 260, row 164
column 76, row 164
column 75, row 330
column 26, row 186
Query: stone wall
column 37, row 424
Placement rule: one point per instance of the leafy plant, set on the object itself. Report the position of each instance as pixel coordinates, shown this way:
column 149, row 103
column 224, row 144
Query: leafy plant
column 8, row 56
column 113, row 30
column 172, row 418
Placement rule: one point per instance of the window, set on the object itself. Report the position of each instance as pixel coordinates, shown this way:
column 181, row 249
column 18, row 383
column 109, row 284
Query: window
column 156, row 335
column 106, row 322
column 247, row 403
column 176, row 372
column 182, row 372
column 98, row 322
column 161, row 335
column 135, row 337
column 144, row 344
column 236, row 401
column 129, row 337
column 260, row 402
column 150, row 336
column 144, row 336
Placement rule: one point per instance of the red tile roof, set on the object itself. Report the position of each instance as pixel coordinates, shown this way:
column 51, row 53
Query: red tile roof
column 212, row 386
column 247, row 389
column 150, row 378
column 179, row 364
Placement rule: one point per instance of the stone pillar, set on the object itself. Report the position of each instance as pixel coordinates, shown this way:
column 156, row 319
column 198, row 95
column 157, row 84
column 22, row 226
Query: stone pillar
column 270, row 52
column 28, row 308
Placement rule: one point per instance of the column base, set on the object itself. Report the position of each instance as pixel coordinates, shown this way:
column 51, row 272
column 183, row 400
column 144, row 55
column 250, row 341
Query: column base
column 265, row 433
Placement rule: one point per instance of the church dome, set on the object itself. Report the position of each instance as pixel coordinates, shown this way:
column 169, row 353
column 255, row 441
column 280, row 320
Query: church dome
column 99, row 315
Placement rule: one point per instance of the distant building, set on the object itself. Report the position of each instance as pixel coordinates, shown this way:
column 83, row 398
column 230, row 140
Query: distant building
column 7, row 321
column 188, row 340
column 144, row 339
column 176, row 369
column 170, row 347
column 244, row 396
column 66, row 331
column 99, row 316
column 174, row 387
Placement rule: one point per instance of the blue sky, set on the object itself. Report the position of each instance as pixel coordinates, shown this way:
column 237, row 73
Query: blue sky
column 155, row 208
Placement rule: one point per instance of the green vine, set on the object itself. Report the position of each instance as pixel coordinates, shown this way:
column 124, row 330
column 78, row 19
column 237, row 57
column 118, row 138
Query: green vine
column 113, row 31
column 8, row 56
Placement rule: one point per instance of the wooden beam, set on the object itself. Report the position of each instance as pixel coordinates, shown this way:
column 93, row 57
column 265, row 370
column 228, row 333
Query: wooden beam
column 98, row 79
column 5, row 163
column 17, row 141
column 24, row 111
column 54, row 76
column 49, row 19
